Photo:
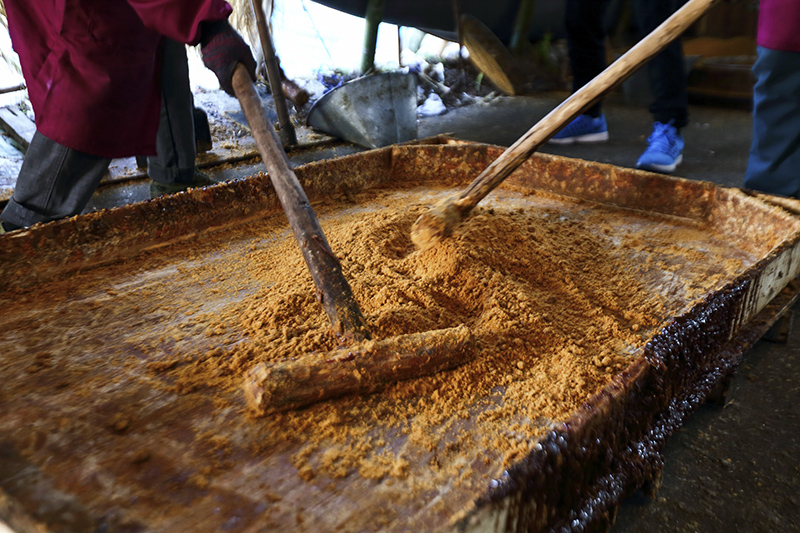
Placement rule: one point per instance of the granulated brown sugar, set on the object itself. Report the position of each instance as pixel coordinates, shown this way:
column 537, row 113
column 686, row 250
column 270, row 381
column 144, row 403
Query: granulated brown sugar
column 134, row 371
column 557, row 300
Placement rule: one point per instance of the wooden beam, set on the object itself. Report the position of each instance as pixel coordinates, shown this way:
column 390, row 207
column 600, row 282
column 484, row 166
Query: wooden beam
column 373, row 16
column 17, row 125
column 16, row 88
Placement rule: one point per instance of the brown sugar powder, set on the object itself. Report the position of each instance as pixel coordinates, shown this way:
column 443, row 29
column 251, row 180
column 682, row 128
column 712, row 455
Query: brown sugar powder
column 144, row 360
column 558, row 297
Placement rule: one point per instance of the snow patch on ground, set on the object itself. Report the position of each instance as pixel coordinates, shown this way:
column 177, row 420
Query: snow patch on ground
column 433, row 106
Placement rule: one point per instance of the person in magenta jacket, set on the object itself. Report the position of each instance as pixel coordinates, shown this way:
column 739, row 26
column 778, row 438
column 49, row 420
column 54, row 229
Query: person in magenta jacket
column 93, row 72
column 774, row 163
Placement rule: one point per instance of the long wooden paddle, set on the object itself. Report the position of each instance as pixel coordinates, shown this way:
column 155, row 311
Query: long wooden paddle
column 439, row 221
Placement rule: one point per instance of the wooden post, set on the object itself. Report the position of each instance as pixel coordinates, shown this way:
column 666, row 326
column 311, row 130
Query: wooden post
column 373, row 17
column 522, row 24
column 436, row 224
column 286, row 133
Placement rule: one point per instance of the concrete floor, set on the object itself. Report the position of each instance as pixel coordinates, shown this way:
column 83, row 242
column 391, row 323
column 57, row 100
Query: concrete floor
column 717, row 139
column 734, row 467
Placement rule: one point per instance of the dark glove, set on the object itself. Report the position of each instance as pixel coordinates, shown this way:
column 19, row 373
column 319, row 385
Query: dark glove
column 222, row 48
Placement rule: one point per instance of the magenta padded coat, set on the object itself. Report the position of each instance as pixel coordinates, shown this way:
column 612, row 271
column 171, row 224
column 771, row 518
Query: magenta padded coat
column 92, row 67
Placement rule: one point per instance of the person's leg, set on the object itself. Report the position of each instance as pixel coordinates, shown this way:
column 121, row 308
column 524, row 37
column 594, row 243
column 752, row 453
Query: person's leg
column 175, row 160
column 54, row 182
column 666, row 71
column 775, row 150
column 586, row 35
column 667, row 75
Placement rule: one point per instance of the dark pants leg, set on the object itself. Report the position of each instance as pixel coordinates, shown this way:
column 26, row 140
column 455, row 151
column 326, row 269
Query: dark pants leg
column 175, row 159
column 54, row 182
column 774, row 164
column 666, row 71
column 586, row 33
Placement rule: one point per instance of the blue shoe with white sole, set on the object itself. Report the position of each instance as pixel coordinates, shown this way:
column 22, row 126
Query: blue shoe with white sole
column 664, row 151
column 584, row 129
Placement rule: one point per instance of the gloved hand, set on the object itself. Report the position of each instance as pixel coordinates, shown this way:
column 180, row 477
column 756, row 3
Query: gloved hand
column 222, row 48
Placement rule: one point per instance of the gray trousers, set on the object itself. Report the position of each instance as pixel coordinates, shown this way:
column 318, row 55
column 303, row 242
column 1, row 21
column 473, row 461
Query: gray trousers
column 774, row 164
column 56, row 182
column 174, row 162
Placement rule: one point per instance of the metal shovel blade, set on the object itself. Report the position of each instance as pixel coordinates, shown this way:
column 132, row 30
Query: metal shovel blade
column 372, row 111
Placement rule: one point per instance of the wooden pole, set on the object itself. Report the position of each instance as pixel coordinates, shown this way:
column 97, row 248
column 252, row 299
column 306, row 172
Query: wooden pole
column 333, row 291
column 439, row 221
column 287, row 133
column 373, row 17
column 522, row 24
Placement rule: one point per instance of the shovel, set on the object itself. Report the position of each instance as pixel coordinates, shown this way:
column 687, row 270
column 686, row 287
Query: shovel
column 438, row 222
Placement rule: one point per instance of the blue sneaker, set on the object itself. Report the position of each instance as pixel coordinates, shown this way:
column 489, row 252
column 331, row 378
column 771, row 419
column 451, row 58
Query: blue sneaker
column 584, row 129
column 664, row 151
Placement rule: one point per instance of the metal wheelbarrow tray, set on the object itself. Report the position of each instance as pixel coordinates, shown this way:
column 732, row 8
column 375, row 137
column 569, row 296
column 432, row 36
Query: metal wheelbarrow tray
column 112, row 352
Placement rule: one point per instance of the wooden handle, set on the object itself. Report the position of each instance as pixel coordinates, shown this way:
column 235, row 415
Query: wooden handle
column 288, row 134
column 580, row 101
column 337, row 297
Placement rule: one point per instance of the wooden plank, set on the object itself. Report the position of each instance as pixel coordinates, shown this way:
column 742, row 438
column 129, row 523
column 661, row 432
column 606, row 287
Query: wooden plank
column 18, row 126
column 5, row 90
